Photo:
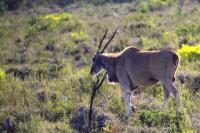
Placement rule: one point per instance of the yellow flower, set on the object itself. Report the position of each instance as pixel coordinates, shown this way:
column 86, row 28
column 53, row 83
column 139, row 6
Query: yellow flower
column 191, row 53
column 58, row 17
column 2, row 73
column 79, row 35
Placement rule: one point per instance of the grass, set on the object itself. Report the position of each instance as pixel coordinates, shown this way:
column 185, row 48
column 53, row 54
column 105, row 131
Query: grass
column 46, row 57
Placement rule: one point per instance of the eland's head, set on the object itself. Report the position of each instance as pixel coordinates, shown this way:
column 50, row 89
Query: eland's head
column 97, row 64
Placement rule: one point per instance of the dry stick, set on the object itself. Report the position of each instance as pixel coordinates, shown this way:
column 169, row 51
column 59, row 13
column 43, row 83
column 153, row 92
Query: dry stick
column 105, row 100
column 97, row 85
column 144, row 104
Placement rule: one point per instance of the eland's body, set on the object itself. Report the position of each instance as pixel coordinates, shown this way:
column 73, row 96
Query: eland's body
column 133, row 67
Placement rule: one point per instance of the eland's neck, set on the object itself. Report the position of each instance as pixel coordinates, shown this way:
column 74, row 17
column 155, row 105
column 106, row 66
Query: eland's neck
column 108, row 60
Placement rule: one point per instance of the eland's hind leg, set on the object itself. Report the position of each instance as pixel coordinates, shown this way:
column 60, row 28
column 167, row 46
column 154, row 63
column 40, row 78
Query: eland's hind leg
column 166, row 97
column 171, row 87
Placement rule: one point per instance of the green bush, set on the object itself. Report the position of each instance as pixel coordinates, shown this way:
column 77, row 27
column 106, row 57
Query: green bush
column 151, row 5
column 150, row 43
column 50, row 22
column 2, row 73
column 33, row 125
column 4, row 32
column 189, row 29
column 55, row 111
column 37, row 24
column 143, row 7
column 59, row 17
column 117, row 106
column 3, row 6
column 79, row 36
column 176, row 121
column 11, row 4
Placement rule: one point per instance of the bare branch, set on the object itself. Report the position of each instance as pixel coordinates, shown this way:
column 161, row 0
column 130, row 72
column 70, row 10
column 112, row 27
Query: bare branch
column 96, row 86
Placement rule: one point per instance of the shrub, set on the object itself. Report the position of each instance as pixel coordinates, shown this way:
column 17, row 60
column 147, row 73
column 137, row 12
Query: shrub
column 97, row 2
column 11, row 4
column 79, row 36
column 150, row 43
column 59, row 17
column 145, row 129
column 3, row 6
column 33, row 125
column 116, row 106
column 189, row 29
column 2, row 73
column 152, row 5
column 54, row 111
column 143, row 7
column 73, row 24
column 159, row 4
column 5, row 32
column 177, row 121
column 168, row 39
column 189, row 53
column 49, row 22
column 194, row 84
column 37, row 24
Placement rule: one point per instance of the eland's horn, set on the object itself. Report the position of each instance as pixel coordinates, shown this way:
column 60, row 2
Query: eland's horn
column 109, row 41
column 102, row 39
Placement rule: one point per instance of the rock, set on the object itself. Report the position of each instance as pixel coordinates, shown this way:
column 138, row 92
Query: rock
column 101, row 119
column 35, row 85
column 41, row 96
column 50, row 47
column 53, row 97
column 11, row 60
column 195, row 84
column 79, row 122
column 9, row 126
column 87, row 50
column 139, row 25
column 181, row 77
column 20, row 71
column 137, row 40
column 133, row 6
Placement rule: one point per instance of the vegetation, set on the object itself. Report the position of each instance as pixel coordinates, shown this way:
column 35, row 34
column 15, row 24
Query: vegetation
column 190, row 53
column 46, row 54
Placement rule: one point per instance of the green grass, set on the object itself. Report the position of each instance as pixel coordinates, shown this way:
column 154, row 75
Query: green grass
column 46, row 57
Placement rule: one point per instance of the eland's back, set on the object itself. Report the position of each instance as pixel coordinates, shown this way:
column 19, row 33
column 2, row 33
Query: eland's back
column 147, row 67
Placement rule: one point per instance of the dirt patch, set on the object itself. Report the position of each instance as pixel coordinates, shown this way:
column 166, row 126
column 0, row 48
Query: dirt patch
column 196, row 122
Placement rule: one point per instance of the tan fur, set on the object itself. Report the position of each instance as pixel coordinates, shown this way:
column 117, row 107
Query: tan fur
column 143, row 66
column 133, row 67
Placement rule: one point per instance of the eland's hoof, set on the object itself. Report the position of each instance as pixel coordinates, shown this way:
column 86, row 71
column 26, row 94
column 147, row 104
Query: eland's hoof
column 134, row 108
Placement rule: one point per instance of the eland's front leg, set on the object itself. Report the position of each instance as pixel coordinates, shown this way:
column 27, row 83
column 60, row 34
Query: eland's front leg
column 126, row 85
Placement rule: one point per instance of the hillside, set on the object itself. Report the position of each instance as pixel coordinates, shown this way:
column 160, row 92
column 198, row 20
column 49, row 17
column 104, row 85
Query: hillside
column 46, row 57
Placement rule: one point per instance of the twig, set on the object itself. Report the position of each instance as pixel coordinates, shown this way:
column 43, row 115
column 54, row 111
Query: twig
column 105, row 100
column 96, row 86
